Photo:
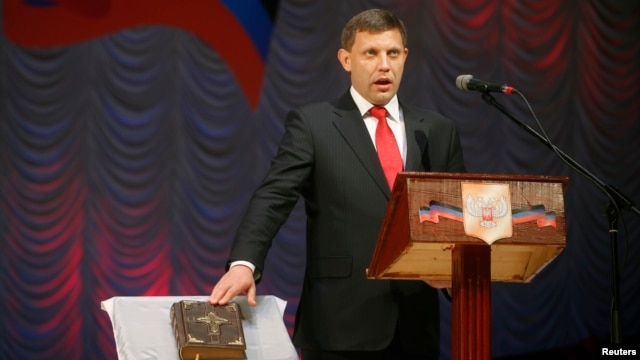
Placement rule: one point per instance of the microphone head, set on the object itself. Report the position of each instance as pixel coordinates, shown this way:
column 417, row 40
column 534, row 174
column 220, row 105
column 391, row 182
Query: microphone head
column 462, row 81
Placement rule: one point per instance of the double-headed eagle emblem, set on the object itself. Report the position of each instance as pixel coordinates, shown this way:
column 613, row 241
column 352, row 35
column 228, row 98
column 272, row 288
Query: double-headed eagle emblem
column 487, row 209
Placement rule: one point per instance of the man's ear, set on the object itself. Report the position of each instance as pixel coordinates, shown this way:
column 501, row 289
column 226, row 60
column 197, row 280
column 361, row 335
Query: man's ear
column 345, row 59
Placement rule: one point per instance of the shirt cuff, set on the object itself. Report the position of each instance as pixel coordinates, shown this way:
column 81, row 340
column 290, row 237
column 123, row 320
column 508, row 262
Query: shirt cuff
column 245, row 263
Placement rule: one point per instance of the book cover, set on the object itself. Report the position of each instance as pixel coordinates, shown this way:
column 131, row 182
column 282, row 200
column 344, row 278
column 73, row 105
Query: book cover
column 208, row 332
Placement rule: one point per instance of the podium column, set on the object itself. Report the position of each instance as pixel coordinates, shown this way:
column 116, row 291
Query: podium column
column 471, row 302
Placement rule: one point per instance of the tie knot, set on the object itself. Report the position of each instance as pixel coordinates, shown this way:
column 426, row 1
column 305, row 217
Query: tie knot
column 379, row 112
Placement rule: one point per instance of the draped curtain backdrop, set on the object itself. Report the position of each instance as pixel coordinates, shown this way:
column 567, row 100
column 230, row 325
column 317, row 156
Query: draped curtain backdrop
column 128, row 157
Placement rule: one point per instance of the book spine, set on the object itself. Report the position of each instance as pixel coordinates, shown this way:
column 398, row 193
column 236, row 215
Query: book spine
column 178, row 324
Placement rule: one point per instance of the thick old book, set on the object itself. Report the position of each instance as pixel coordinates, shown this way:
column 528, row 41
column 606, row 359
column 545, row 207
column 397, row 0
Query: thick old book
column 208, row 332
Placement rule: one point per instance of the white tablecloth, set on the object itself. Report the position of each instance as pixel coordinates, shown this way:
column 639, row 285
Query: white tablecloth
column 142, row 327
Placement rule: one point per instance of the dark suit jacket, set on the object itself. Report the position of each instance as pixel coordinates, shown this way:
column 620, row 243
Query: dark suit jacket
column 327, row 157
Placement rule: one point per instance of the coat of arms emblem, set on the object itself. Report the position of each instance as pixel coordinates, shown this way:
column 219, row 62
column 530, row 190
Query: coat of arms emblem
column 486, row 211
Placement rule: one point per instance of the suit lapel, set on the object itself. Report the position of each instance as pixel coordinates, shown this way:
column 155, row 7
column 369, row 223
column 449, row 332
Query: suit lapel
column 416, row 140
column 349, row 123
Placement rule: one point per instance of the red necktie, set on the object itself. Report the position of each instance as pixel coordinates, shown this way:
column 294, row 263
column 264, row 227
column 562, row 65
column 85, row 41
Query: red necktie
column 386, row 145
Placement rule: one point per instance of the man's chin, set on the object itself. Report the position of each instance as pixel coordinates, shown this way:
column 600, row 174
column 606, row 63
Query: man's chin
column 382, row 99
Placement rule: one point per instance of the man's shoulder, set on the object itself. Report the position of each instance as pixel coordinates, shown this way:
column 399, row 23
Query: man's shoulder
column 327, row 104
column 344, row 102
column 411, row 111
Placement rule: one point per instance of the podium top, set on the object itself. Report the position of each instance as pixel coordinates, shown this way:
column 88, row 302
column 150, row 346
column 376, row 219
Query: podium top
column 425, row 219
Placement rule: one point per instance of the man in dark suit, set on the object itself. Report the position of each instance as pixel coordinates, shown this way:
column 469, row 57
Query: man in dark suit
column 328, row 156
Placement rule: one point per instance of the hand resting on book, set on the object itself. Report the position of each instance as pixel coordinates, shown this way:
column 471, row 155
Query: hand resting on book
column 237, row 281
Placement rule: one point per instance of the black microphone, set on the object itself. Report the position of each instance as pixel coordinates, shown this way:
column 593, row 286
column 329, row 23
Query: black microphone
column 468, row 83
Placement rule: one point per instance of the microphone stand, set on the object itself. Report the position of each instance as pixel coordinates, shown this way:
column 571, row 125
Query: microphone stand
column 617, row 202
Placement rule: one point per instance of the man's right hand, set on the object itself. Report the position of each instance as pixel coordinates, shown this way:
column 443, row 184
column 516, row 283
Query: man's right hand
column 237, row 281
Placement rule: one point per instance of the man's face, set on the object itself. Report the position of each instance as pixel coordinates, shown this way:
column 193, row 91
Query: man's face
column 376, row 62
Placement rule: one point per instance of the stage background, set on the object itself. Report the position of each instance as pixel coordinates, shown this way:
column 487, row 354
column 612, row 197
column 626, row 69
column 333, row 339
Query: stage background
column 132, row 136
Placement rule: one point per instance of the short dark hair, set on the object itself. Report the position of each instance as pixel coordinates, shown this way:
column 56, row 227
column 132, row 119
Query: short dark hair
column 373, row 21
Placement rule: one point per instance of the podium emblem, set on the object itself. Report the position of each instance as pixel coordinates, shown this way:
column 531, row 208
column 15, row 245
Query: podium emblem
column 486, row 211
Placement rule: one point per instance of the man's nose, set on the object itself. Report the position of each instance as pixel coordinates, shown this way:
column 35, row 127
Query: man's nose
column 383, row 62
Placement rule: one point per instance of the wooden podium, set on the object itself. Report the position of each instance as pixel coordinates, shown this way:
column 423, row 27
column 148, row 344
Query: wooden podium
column 424, row 236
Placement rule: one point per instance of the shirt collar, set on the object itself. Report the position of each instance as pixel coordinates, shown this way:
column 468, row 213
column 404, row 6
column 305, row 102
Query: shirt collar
column 393, row 107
